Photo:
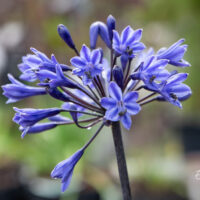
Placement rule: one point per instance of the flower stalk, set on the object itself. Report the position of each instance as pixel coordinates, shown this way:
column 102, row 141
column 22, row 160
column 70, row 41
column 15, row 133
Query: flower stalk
column 121, row 161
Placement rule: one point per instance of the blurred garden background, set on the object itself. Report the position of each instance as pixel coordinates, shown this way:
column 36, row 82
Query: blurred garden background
column 163, row 146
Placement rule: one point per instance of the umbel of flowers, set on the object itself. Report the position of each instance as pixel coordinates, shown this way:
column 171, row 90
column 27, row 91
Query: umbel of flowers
column 94, row 90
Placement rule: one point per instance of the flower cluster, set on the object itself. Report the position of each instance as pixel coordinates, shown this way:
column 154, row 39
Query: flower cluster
column 94, row 91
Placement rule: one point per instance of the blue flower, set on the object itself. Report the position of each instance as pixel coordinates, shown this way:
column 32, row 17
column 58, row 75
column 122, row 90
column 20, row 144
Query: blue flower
column 27, row 117
column 37, row 128
column 174, row 54
column 41, row 127
column 119, row 107
column 64, row 169
column 16, row 91
column 151, row 70
column 173, row 90
column 33, row 63
column 128, row 44
column 87, row 64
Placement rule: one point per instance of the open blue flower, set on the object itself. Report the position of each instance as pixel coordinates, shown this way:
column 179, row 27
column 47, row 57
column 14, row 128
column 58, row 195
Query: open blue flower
column 129, row 43
column 87, row 64
column 16, row 91
column 33, row 63
column 151, row 70
column 64, row 169
column 119, row 107
column 174, row 54
column 174, row 91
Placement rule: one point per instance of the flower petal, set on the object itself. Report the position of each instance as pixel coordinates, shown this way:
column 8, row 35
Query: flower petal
column 130, row 97
column 108, row 103
column 115, row 91
column 126, row 121
column 133, row 108
column 116, row 39
column 112, row 114
column 125, row 34
column 95, row 57
column 85, row 52
column 177, row 78
column 78, row 62
column 134, row 37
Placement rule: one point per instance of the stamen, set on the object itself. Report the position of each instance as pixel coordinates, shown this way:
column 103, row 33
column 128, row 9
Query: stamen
column 152, row 79
column 173, row 96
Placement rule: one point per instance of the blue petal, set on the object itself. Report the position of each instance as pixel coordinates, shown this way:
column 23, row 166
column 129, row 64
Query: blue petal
column 126, row 121
column 65, row 169
column 158, row 64
column 147, row 63
column 134, row 37
column 108, row 103
column 13, row 80
column 171, row 48
column 94, row 30
column 177, row 78
column 37, row 128
column 181, row 91
column 115, row 91
column 116, row 39
column 104, row 34
column 95, row 57
column 133, row 108
column 112, row 114
column 130, row 97
column 125, row 34
column 66, row 181
column 78, row 62
column 85, row 52
column 138, row 46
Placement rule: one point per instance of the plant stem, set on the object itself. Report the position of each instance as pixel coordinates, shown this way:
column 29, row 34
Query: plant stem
column 121, row 161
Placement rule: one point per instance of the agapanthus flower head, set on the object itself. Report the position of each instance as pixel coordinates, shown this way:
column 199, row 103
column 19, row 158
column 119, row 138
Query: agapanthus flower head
column 94, row 89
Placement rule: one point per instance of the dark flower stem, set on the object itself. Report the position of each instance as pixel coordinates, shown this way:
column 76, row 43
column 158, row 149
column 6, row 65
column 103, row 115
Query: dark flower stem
column 147, row 97
column 148, row 101
column 128, row 70
column 121, row 161
column 94, row 136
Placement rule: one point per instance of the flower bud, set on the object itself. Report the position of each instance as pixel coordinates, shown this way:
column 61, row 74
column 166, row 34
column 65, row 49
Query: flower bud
column 104, row 34
column 65, row 35
column 124, row 61
column 118, row 75
column 111, row 25
column 94, row 30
